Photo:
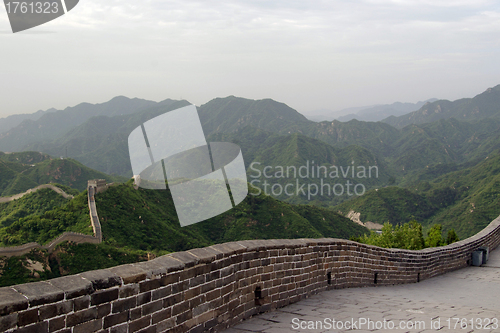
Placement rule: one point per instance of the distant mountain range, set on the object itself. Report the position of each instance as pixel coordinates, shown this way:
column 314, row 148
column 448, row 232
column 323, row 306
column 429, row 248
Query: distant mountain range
column 52, row 124
column 370, row 113
column 380, row 112
column 273, row 134
column 484, row 105
column 22, row 171
column 438, row 164
column 465, row 200
column 13, row 120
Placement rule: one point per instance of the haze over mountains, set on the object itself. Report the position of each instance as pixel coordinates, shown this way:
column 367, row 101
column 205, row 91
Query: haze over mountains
column 439, row 138
column 370, row 113
column 484, row 105
column 438, row 164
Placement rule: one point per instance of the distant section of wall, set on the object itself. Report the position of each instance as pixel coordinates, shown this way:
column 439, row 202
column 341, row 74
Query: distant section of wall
column 67, row 236
column 31, row 190
column 99, row 185
column 94, row 218
column 210, row 289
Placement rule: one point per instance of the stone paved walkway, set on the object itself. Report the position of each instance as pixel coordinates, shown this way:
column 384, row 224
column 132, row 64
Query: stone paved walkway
column 471, row 294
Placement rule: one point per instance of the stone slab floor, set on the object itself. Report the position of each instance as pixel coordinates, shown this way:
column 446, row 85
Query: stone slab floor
column 465, row 301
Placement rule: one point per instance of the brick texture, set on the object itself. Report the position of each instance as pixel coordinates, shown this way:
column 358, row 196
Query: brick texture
column 210, row 289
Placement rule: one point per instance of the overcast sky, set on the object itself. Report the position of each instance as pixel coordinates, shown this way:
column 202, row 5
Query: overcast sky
column 308, row 54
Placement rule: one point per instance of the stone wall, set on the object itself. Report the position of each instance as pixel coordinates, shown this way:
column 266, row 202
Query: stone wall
column 210, row 289
column 67, row 236
column 94, row 218
column 31, row 190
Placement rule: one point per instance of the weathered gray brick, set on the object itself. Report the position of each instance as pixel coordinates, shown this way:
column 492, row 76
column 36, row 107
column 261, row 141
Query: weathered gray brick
column 57, row 324
column 88, row 327
column 56, row 309
column 115, row 319
column 129, row 273
column 138, row 324
column 123, row 304
column 27, row 317
column 129, row 290
column 102, row 279
column 104, row 296
column 42, row 327
column 8, row 322
column 73, row 286
column 161, row 293
column 80, row 303
column 143, row 298
column 119, row 329
column 81, row 317
column 152, row 307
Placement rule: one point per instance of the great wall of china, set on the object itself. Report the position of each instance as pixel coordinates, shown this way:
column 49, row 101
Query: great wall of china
column 94, row 186
column 210, row 289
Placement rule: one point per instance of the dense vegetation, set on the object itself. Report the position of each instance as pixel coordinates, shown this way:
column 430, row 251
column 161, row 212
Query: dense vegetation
column 67, row 259
column 137, row 223
column 42, row 216
column 465, row 200
column 444, row 174
column 146, row 220
column 35, row 203
column 484, row 105
column 408, row 236
column 22, row 171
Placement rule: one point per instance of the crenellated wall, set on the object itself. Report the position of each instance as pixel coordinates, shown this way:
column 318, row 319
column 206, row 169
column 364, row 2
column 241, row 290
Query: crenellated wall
column 212, row 288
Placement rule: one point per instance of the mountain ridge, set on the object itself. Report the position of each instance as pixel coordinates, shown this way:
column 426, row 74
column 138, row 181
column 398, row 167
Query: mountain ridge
column 481, row 106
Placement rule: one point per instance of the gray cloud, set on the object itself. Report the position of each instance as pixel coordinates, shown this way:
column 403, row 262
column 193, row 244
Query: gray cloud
column 314, row 54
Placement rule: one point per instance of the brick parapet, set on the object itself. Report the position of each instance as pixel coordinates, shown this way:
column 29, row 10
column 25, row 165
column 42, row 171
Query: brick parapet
column 212, row 288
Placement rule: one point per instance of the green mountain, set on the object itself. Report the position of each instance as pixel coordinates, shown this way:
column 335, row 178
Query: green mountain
column 146, row 220
column 137, row 222
column 466, row 200
column 52, row 125
column 267, row 131
column 101, row 142
column 42, row 216
column 380, row 112
column 13, row 120
column 276, row 161
column 484, row 105
column 231, row 113
column 21, row 171
column 35, row 203
column 446, row 172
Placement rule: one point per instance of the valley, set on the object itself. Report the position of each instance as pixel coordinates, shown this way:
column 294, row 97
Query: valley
column 435, row 168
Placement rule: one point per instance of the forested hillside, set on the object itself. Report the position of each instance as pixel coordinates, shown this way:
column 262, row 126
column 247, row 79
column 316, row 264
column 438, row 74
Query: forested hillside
column 22, row 171
column 442, row 172
column 138, row 222
column 466, row 200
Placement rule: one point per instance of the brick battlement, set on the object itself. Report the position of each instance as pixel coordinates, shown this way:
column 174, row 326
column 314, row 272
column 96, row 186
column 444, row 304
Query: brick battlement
column 212, row 288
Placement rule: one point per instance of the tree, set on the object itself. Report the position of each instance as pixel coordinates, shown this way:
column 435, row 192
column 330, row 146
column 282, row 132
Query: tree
column 434, row 236
column 452, row 237
column 408, row 236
